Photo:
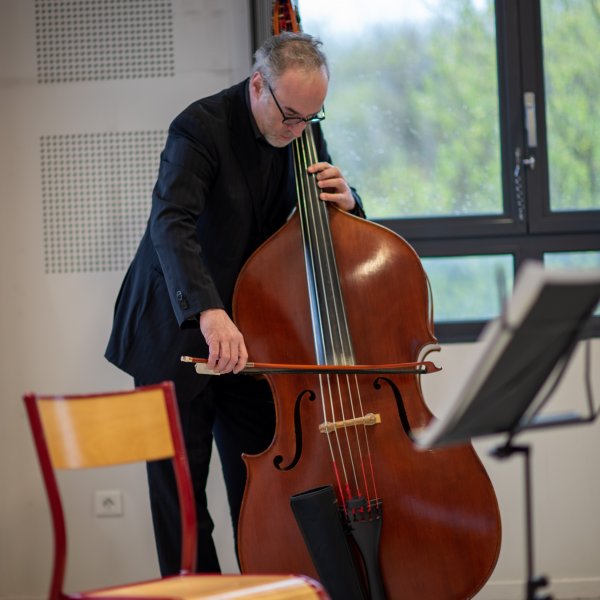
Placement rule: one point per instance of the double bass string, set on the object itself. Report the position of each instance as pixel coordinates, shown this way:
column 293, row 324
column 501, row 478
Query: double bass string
column 340, row 343
column 303, row 189
column 332, row 339
column 313, row 227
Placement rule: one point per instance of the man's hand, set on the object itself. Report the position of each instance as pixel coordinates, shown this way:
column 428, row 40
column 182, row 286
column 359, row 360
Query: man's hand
column 333, row 185
column 226, row 348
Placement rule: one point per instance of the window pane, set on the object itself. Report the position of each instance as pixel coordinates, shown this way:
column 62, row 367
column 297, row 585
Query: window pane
column 574, row 260
column 469, row 288
column 412, row 111
column 571, row 33
column 588, row 259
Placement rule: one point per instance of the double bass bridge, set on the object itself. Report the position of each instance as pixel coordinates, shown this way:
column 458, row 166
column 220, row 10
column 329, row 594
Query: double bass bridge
column 369, row 419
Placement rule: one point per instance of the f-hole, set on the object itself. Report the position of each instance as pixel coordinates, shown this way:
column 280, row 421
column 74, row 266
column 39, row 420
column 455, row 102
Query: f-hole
column 399, row 404
column 278, row 460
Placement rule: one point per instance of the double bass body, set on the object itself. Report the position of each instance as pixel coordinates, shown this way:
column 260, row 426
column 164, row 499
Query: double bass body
column 440, row 533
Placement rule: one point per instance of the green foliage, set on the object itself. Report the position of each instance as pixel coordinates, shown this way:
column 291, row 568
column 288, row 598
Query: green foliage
column 572, row 79
column 468, row 288
column 415, row 113
column 413, row 109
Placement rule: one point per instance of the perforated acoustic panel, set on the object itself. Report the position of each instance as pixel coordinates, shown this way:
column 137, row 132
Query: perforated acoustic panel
column 96, row 194
column 83, row 40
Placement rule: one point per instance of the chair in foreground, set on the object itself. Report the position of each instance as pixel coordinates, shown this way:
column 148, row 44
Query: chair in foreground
column 86, row 431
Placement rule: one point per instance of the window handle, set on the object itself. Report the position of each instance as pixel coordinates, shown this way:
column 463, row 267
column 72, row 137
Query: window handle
column 530, row 132
column 530, row 122
column 528, row 161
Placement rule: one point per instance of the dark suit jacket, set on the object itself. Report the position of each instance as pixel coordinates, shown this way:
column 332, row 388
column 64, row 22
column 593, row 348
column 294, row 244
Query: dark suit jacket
column 205, row 221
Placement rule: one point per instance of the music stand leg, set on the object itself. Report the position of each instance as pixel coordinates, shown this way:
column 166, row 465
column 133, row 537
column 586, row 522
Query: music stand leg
column 533, row 583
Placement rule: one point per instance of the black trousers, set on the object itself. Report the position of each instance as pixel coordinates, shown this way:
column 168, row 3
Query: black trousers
column 238, row 412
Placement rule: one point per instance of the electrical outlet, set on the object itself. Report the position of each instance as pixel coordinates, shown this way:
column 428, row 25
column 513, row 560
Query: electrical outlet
column 108, row 503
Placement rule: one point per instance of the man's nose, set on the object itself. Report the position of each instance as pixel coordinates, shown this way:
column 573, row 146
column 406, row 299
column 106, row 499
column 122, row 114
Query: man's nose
column 298, row 128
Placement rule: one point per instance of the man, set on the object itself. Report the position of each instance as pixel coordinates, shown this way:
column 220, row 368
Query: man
column 225, row 184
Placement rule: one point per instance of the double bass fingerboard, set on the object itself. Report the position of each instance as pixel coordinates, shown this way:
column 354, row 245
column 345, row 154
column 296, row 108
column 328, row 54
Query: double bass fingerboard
column 333, row 344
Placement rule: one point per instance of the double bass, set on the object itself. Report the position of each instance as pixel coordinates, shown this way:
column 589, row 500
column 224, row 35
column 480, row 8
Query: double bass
column 337, row 292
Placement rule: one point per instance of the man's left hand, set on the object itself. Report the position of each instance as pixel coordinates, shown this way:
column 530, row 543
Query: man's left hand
column 333, row 185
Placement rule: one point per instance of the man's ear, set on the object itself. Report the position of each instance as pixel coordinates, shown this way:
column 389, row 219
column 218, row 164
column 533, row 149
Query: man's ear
column 257, row 83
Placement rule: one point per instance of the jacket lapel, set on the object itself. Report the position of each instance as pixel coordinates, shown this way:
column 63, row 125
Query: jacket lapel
column 243, row 142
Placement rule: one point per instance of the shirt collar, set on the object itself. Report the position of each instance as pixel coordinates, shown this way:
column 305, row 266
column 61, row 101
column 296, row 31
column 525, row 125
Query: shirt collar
column 255, row 130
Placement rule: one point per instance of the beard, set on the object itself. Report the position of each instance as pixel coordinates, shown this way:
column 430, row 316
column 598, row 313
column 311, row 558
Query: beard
column 279, row 140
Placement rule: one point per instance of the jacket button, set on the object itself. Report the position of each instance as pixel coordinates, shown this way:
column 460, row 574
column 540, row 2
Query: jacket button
column 181, row 299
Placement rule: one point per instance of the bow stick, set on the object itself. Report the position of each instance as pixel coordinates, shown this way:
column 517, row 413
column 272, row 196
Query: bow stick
column 410, row 368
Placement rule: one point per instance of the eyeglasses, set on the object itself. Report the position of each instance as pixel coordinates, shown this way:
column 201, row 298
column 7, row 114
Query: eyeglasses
column 320, row 116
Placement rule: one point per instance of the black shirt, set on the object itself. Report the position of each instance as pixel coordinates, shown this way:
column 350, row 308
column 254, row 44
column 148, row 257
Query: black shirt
column 278, row 196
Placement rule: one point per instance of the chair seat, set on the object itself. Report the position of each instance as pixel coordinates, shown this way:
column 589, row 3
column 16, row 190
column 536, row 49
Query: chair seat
column 222, row 587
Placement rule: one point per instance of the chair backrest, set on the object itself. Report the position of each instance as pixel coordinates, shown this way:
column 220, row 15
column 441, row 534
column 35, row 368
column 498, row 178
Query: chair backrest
column 85, row 431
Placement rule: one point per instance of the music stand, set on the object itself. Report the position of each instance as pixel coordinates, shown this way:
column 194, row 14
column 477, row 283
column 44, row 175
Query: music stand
column 523, row 356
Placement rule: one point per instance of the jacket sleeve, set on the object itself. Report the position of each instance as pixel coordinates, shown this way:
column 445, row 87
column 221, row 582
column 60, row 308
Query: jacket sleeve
column 187, row 169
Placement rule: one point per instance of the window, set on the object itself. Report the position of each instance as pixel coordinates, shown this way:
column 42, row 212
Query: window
column 572, row 82
column 486, row 277
column 471, row 128
column 420, row 136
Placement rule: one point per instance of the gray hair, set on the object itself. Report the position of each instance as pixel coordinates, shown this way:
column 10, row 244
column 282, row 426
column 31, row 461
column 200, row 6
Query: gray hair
column 289, row 50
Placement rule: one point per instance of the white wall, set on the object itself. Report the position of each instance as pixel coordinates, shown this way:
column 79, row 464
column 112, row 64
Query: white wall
column 54, row 328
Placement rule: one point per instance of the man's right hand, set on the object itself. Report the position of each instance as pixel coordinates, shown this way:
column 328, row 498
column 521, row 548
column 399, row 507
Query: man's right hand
column 226, row 348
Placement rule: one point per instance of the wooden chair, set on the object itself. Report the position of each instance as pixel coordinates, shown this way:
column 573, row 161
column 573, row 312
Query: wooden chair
column 86, row 431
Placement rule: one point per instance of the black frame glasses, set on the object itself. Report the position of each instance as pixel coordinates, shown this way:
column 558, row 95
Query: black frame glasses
column 316, row 118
